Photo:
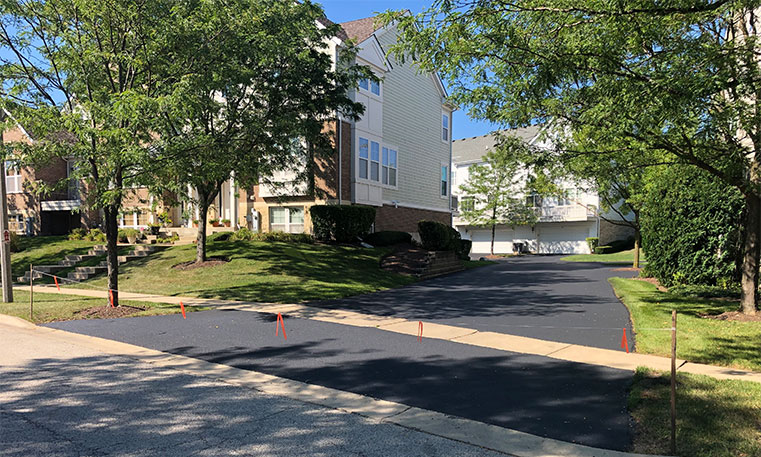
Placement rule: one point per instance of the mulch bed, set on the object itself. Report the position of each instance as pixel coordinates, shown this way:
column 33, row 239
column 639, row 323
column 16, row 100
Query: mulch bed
column 654, row 282
column 107, row 312
column 735, row 316
column 192, row 265
column 627, row 269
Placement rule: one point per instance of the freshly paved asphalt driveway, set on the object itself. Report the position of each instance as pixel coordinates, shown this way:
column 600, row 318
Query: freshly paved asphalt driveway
column 546, row 397
column 535, row 296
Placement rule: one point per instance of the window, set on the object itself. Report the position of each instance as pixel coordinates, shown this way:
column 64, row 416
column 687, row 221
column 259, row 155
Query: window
column 13, row 181
column 444, row 180
column 389, row 167
column 534, row 201
column 372, row 86
column 287, row 219
column 374, row 161
column 445, row 127
column 468, row 204
column 364, row 155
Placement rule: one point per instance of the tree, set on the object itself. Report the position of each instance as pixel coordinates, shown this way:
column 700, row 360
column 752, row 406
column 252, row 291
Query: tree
column 258, row 86
column 617, row 178
column 81, row 77
column 673, row 82
column 498, row 187
column 692, row 227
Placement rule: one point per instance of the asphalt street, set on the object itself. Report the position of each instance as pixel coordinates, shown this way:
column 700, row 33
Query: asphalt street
column 535, row 296
column 57, row 399
column 546, row 397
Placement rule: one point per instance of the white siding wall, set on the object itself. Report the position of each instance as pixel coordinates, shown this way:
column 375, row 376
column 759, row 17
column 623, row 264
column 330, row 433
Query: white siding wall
column 412, row 108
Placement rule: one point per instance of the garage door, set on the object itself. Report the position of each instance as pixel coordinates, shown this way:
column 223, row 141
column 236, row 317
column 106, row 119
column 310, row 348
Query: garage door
column 563, row 239
column 503, row 241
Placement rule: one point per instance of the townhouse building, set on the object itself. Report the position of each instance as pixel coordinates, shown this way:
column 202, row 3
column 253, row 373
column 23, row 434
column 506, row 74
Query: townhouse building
column 563, row 222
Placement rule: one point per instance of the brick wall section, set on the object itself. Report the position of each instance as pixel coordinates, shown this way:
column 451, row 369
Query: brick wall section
column 346, row 161
column 403, row 219
column 613, row 232
column 326, row 170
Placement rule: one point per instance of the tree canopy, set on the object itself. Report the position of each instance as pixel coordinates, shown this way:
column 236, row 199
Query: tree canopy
column 663, row 83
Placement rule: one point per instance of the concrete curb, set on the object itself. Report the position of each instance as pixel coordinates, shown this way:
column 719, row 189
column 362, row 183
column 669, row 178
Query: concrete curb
column 510, row 442
column 14, row 321
column 500, row 341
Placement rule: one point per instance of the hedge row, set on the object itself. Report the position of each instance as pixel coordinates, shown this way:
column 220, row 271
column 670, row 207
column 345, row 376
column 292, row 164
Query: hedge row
column 436, row 236
column 342, row 223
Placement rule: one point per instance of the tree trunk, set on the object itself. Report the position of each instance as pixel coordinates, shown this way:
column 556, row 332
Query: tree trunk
column 751, row 253
column 203, row 215
column 111, row 216
column 205, row 198
column 493, row 228
column 637, row 246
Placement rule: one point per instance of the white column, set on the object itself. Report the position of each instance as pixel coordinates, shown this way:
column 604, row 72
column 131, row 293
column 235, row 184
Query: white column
column 190, row 205
column 150, row 218
column 233, row 203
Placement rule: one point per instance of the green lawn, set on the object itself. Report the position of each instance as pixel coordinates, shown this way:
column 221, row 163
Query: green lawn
column 715, row 342
column 623, row 257
column 262, row 271
column 45, row 250
column 716, row 418
column 52, row 307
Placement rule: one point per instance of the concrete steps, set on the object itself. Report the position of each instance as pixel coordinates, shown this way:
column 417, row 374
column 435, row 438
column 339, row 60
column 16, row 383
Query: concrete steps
column 67, row 262
column 82, row 273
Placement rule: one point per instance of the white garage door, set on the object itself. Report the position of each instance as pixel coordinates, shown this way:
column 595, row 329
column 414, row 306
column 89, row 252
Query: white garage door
column 563, row 239
column 503, row 241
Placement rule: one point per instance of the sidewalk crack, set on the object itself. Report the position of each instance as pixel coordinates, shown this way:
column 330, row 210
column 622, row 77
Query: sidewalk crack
column 557, row 350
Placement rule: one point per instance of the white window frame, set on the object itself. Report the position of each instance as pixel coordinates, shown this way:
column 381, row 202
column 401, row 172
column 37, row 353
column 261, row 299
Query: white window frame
column 287, row 225
column 375, row 147
column 371, row 85
column 447, row 129
column 387, row 167
column 445, row 174
column 16, row 178
column 366, row 163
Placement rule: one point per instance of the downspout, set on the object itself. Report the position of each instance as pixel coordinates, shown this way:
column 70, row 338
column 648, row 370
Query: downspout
column 340, row 184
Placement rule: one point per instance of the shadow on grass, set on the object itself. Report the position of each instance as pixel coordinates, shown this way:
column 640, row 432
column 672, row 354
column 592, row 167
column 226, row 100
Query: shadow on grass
column 716, row 418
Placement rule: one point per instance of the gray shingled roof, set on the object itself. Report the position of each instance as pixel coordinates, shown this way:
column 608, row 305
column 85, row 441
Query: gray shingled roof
column 475, row 148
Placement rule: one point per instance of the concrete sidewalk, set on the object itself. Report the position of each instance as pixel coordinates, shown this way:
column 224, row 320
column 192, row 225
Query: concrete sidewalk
column 63, row 393
column 500, row 341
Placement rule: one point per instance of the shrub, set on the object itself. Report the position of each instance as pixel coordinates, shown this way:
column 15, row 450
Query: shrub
column 463, row 250
column 593, row 242
column 96, row 235
column 388, row 238
column 78, row 234
column 691, row 227
column 436, row 236
column 124, row 234
column 342, row 223
column 244, row 234
column 603, row 249
column 15, row 244
column 621, row 245
column 83, row 234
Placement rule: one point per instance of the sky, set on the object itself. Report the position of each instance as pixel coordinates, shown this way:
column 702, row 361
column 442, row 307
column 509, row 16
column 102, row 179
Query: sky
column 348, row 10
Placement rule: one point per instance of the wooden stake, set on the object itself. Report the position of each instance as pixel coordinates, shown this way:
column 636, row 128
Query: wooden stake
column 673, row 382
column 31, row 292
